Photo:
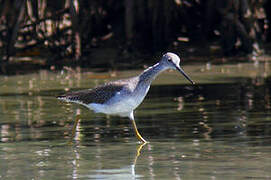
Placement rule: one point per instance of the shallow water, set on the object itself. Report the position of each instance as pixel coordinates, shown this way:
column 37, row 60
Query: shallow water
column 220, row 129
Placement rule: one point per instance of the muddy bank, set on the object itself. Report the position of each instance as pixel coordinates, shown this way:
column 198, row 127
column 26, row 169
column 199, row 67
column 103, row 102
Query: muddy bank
column 113, row 58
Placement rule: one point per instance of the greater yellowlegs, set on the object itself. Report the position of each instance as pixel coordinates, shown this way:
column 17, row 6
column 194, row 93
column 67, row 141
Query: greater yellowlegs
column 123, row 96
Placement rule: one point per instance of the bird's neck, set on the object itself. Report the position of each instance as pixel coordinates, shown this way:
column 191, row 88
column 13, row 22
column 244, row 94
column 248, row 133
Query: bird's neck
column 151, row 73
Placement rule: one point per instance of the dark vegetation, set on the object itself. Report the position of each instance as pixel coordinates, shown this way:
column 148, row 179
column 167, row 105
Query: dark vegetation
column 96, row 32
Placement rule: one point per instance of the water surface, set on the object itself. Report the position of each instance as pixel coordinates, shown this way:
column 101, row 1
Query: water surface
column 220, row 129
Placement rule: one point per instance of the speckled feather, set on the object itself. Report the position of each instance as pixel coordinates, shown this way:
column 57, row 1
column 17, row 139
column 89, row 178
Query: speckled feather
column 101, row 94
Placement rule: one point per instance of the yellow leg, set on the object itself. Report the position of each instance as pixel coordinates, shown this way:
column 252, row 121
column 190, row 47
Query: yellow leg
column 74, row 128
column 139, row 137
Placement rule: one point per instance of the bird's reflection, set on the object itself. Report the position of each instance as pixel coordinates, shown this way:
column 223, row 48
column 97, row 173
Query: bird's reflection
column 75, row 126
column 138, row 152
column 102, row 173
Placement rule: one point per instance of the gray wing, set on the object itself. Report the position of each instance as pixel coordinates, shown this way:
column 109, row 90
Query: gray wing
column 99, row 95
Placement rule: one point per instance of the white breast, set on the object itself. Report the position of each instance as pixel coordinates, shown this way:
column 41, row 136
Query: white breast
column 121, row 104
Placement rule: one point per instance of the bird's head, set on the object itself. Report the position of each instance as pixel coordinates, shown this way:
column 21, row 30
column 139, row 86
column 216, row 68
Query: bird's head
column 172, row 61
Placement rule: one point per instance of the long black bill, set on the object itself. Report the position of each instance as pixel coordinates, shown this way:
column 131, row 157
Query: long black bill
column 185, row 75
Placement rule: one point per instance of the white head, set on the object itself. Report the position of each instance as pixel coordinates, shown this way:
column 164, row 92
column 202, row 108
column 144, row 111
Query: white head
column 172, row 61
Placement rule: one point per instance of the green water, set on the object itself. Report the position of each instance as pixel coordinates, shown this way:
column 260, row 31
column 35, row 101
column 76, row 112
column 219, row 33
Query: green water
column 220, row 129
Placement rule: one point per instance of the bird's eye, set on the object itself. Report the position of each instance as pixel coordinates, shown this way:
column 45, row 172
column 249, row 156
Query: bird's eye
column 169, row 60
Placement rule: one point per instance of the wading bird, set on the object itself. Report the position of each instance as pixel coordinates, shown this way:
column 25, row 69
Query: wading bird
column 123, row 96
